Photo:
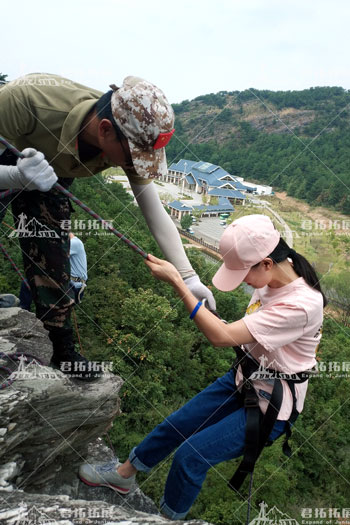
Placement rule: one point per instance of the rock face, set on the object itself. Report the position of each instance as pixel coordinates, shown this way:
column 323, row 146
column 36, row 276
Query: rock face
column 49, row 425
column 37, row 509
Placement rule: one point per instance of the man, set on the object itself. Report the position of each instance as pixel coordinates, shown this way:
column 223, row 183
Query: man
column 82, row 132
column 78, row 267
column 78, row 274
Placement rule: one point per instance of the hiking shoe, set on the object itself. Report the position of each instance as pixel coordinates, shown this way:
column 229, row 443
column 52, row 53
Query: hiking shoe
column 75, row 365
column 105, row 475
column 8, row 300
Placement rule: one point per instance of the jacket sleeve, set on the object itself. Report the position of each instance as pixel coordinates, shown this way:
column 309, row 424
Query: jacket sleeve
column 17, row 117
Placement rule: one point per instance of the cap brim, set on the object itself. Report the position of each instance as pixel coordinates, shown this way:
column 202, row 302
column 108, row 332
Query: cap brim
column 148, row 164
column 227, row 280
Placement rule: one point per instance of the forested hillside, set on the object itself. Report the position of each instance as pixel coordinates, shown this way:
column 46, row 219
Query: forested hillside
column 296, row 141
column 129, row 318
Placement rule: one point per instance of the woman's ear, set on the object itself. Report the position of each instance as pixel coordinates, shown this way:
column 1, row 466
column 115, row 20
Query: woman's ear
column 267, row 263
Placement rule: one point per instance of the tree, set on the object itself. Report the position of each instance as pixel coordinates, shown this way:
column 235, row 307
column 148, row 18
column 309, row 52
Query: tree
column 3, row 78
column 186, row 221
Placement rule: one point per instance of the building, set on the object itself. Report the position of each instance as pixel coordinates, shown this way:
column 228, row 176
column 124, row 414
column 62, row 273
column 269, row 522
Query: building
column 178, row 209
column 207, row 178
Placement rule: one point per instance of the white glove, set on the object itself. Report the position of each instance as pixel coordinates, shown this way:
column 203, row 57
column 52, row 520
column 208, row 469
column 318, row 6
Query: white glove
column 200, row 291
column 35, row 173
column 31, row 173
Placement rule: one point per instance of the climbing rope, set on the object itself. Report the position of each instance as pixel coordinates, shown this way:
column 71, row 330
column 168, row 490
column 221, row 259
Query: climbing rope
column 81, row 205
column 77, row 201
column 13, row 264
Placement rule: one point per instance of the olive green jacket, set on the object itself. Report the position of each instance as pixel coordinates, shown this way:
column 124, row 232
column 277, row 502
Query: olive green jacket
column 45, row 112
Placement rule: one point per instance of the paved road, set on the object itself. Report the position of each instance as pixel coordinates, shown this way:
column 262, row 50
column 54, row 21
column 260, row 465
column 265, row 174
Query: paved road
column 208, row 229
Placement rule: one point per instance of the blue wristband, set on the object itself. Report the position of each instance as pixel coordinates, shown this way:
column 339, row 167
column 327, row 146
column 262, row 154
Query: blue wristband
column 195, row 309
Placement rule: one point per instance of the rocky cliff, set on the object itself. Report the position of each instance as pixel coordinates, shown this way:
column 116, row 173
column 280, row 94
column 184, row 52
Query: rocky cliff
column 49, row 424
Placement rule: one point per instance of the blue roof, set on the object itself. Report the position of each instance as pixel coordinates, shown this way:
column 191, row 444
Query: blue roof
column 224, row 202
column 239, row 186
column 214, row 207
column 205, row 167
column 180, row 165
column 205, row 171
column 218, row 183
column 230, row 194
column 190, row 179
column 224, row 205
column 177, row 205
column 196, row 174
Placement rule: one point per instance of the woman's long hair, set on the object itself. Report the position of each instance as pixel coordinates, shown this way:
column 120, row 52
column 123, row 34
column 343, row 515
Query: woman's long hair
column 301, row 266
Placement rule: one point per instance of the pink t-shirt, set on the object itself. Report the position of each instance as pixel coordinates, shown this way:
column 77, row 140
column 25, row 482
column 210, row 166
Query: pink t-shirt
column 287, row 325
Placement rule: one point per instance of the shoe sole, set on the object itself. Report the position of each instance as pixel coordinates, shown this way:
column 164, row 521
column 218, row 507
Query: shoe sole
column 108, row 485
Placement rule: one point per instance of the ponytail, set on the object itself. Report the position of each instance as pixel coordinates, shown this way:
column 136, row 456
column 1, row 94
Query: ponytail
column 301, row 266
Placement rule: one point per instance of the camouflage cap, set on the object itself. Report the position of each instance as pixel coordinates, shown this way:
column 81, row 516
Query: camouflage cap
column 146, row 118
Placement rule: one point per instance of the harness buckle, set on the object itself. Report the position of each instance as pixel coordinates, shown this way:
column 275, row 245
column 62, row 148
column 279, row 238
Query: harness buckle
column 251, row 402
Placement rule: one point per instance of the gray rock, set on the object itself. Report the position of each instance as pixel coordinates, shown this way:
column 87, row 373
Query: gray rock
column 49, row 425
column 24, row 508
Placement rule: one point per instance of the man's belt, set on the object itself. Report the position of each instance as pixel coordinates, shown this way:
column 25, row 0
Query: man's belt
column 77, row 279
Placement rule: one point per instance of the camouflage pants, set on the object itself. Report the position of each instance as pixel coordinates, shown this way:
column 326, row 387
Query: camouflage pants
column 45, row 250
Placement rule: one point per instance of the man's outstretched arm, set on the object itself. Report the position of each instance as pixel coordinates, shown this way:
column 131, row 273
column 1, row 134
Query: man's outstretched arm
column 165, row 233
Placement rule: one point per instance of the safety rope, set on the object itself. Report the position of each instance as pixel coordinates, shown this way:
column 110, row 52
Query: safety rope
column 77, row 201
column 13, row 264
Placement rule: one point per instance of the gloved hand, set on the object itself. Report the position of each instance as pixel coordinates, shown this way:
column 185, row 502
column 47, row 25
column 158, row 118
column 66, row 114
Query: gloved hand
column 200, row 291
column 35, row 173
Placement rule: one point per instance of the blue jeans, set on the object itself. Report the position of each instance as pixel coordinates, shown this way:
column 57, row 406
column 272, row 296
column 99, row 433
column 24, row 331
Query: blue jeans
column 207, row 430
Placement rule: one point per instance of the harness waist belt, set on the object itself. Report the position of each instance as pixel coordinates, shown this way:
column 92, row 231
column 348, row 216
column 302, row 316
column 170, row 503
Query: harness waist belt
column 77, row 279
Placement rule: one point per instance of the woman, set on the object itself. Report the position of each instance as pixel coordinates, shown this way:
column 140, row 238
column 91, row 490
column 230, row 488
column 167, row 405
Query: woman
column 282, row 329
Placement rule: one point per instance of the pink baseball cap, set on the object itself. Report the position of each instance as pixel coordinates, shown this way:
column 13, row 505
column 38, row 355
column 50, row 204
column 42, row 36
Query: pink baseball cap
column 245, row 242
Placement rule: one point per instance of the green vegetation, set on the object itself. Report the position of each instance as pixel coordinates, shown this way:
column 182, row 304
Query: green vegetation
column 186, row 221
column 297, row 141
column 138, row 323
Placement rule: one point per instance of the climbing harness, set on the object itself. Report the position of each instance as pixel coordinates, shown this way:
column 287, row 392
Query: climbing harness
column 259, row 426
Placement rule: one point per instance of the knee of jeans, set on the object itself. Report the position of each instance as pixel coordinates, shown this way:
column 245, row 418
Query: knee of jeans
column 188, row 461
